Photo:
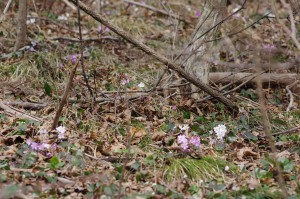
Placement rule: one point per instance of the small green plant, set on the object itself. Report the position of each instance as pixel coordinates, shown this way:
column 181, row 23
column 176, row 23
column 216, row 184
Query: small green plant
column 197, row 169
column 55, row 163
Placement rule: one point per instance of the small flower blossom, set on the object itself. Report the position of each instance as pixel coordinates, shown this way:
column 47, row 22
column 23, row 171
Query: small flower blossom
column 37, row 146
column 184, row 127
column 195, row 140
column 34, row 146
column 61, row 132
column 99, row 29
column 220, row 131
column 226, row 168
column 30, row 21
column 269, row 47
column 54, row 146
column 174, row 108
column 73, row 59
column 62, row 18
column 141, row 85
column 198, row 13
column 49, row 155
column 183, row 142
column 181, row 139
column 125, row 80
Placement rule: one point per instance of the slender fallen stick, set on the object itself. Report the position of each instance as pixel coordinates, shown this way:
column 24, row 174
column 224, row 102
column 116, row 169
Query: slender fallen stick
column 17, row 113
column 5, row 10
column 217, row 95
column 27, row 105
column 157, row 10
column 287, row 131
column 225, row 77
column 101, row 39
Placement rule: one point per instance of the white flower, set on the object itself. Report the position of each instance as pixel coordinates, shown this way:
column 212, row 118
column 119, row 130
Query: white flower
column 141, row 85
column 62, row 18
column 184, row 127
column 47, row 146
column 226, row 168
column 220, row 131
column 30, row 21
column 61, row 132
column 61, row 136
column 61, row 129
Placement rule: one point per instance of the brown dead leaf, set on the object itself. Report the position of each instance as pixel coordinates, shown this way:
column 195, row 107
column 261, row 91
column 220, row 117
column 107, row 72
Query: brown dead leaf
column 103, row 127
column 110, row 117
column 246, row 152
column 283, row 154
column 158, row 135
column 117, row 147
column 137, row 134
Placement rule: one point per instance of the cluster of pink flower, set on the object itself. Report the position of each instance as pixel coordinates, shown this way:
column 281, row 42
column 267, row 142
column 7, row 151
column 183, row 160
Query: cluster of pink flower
column 44, row 147
column 100, row 29
column 217, row 135
column 125, row 80
column 184, row 142
column 41, row 147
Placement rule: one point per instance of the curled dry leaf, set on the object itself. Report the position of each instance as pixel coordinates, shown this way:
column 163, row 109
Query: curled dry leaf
column 137, row 134
column 246, row 152
column 158, row 135
column 283, row 154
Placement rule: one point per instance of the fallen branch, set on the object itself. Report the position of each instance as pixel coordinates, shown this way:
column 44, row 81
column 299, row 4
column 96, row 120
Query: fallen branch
column 101, row 39
column 17, row 113
column 158, row 56
column 158, row 11
column 226, row 77
column 287, row 131
column 27, row 105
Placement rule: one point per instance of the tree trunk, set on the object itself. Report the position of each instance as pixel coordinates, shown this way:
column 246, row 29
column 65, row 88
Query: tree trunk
column 211, row 14
column 21, row 25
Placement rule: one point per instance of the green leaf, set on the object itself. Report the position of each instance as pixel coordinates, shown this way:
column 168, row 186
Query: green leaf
column 48, row 89
column 55, row 163
column 186, row 115
column 135, row 165
column 289, row 167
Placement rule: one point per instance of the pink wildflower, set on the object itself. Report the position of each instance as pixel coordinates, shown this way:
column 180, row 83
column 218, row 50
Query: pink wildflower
column 183, row 142
column 195, row 140
column 73, row 59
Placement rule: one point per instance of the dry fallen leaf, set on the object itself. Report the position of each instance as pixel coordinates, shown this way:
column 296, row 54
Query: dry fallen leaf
column 246, row 153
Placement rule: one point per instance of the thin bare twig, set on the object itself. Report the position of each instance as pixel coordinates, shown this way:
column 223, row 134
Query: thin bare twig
column 64, row 97
column 287, row 131
column 290, row 94
column 81, row 53
column 270, row 138
column 157, row 10
column 17, row 113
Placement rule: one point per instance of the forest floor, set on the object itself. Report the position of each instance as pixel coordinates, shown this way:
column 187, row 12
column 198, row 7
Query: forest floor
column 129, row 142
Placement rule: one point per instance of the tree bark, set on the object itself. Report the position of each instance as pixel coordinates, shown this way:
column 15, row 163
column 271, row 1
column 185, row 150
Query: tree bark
column 21, row 25
column 211, row 14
